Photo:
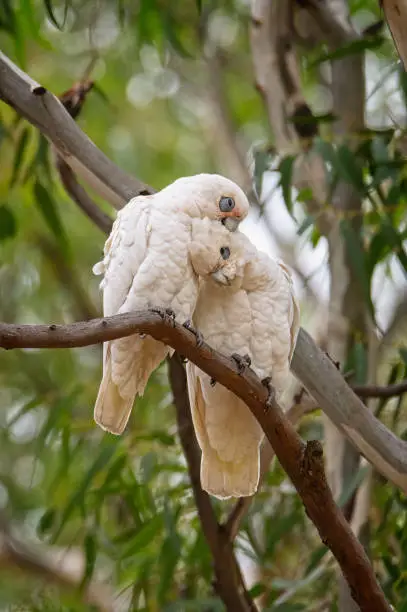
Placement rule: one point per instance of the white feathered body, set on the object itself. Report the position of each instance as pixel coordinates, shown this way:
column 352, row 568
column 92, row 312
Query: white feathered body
column 146, row 263
column 258, row 316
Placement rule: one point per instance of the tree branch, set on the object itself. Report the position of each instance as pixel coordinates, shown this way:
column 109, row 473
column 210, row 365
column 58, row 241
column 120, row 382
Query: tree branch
column 302, row 463
column 81, row 198
column 46, row 112
column 381, row 391
column 395, row 12
column 310, row 365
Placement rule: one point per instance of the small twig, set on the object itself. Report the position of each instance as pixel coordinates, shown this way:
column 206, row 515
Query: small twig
column 381, row 391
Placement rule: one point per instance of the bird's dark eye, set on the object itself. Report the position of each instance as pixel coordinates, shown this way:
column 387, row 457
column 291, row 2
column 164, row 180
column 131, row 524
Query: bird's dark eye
column 226, row 204
column 225, row 252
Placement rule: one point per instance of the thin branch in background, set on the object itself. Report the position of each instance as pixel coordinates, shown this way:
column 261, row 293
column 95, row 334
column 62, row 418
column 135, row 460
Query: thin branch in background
column 73, row 100
column 302, row 463
column 381, row 391
column 81, row 198
column 229, row 582
column 43, row 564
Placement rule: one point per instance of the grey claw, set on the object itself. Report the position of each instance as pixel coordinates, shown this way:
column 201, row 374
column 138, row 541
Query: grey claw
column 167, row 314
column 242, row 362
column 199, row 337
column 267, row 382
column 212, row 382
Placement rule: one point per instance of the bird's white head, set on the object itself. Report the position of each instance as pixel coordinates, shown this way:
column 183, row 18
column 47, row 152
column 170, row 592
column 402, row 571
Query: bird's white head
column 217, row 254
column 209, row 195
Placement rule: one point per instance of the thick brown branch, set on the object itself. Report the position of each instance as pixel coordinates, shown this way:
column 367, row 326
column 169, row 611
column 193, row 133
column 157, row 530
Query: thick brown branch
column 46, row 112
column 229, row 582
column 303, row 464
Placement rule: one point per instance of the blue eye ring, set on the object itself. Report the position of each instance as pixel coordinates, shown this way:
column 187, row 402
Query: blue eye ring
column 226, row 204
column 224, row 252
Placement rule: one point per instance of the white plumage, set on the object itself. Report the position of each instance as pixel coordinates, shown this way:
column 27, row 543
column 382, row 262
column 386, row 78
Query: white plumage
column 255, row 314
column 146, row 264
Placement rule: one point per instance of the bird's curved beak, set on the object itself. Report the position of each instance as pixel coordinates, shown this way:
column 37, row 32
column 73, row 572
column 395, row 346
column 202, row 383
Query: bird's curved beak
column 231, row 223
column 220, row 277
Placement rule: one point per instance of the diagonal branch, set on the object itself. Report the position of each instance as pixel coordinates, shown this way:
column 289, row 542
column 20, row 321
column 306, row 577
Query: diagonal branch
column 395, row 12
column 81, row 197
column 302, row 463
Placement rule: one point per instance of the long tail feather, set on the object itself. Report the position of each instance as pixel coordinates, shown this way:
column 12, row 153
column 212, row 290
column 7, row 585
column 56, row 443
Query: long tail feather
column 112, row 411
column 230, row 479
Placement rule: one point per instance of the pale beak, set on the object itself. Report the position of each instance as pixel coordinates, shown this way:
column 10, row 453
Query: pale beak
column 220, row 277
column 231, row 223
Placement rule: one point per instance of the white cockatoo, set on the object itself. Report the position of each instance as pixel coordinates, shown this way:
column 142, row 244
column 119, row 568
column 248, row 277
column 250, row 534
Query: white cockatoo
column 247, row 306
column 146, row 264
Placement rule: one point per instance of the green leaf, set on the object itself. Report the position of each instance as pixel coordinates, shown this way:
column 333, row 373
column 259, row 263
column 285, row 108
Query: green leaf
column 257, row 590
column 358, row 260
column 286, row 168
column 49, row 211
column 359, row 362
column 47, row 521
column 394, row 238
column 147, row 466
column 171, row 29
column 349, row 168
column 52, row 18
column 8, row 224
column 77, row 498
column 261, row 164
column 315, row 236
column 308, row 221
column 402, row 74
column 18, row 158
column 143, row 537
column 355, row 47
column 304, row 195
column 90, row 548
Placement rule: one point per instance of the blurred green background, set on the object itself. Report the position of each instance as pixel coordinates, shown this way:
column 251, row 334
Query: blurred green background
column 174, row 87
